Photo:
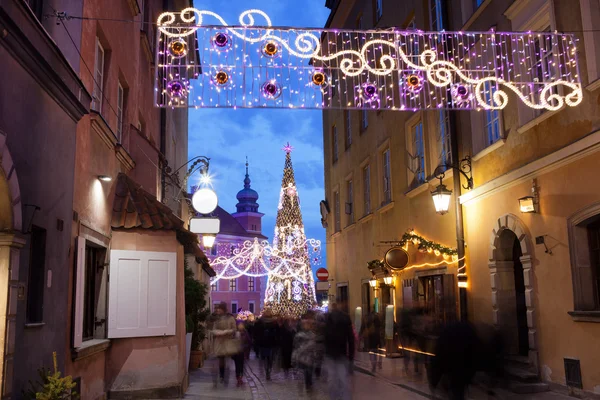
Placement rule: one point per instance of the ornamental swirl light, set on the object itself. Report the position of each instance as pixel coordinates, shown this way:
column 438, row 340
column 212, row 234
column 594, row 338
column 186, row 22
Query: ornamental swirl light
column 476, row 61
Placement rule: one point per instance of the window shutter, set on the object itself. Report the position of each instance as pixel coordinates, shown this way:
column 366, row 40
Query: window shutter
column 449, row 287
column 142, row 294
column 79, row 292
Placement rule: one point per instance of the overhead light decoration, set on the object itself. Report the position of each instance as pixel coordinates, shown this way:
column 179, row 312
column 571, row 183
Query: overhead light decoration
column 464, row 62
column 205, row 200
column 270, row 49
column 177, row 89
column 221, row 41
column 319, row 78
column 271, row 90
column 221, row 78
column 105, row 178
column 178, row 48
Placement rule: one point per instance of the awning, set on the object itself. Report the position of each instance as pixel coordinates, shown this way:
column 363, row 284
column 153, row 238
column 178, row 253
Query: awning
column 133, row 207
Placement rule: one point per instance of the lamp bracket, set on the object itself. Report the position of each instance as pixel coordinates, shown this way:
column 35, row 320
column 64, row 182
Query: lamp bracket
column 464, row 167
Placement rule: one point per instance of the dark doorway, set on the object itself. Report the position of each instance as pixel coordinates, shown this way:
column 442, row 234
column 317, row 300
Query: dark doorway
column 523, row 330
column 343, row 298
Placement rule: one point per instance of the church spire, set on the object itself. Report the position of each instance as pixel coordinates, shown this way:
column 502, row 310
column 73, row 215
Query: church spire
column 247, row 179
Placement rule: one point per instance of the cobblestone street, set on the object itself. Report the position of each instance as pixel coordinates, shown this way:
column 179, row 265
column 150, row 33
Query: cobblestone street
column 391, row 382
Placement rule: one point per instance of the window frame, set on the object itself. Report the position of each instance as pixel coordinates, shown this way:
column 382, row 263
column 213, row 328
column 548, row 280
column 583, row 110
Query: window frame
column 120, row 111
column 445, row 138
column 233, row 285
column 36, row 276
column 98, row 84
column 350, row 200
column 590, row 15
column 366, row 175
column 364, row 120
column 386, row 174
column 236, row 304
column 435, row 6
column 251, row 284
column 348, row 128
column 334, row 144
column 337, row 225
column 253, row 304
column 419, row 175
column 491, row 119
column 377, row 10
column 214, row 287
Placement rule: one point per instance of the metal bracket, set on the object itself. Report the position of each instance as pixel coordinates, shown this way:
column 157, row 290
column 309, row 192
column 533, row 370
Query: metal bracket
column 464, row 167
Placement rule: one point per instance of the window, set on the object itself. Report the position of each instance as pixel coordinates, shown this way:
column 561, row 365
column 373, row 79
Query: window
column 234, row 307
column 233, row 285
column 437, row 16
column 37, row 6
column 336, row 204
column 367, row 189
column 251, row 307
column 491, row 117
column 120, row 101
column 334, row 143
column 37, row 271
column 413, row 50
column 378, row 10
column 417, row 155
column 478, row 3
column 387, row 177
column 348, row 117
column 364, row 120
column 213, row 287
column 231, row 250
column 251, row 284
column 98, row 78
column 584, row 249
column 350, row 201
column 94, row 265
column 590, row 17
column 359, row 22
column 445, row 139
column 213, row 250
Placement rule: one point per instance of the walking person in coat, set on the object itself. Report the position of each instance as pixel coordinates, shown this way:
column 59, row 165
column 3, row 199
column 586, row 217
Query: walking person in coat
column 287, row 333
column 305, row 349
column 267, row 336
column 246, row 343
column 339, row 351
column 371, row 334
column 224, row 343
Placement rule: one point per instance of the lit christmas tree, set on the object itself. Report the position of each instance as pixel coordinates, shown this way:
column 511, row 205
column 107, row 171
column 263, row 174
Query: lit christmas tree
column 290, row 288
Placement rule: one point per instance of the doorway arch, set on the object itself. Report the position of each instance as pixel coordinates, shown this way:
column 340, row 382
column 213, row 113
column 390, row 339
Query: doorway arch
column 10, row 244
column 513, row 292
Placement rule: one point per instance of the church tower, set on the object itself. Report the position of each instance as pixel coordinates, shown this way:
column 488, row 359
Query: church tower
column 247, row 208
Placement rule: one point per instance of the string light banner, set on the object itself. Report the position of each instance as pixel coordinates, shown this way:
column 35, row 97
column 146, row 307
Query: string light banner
column 253, row 65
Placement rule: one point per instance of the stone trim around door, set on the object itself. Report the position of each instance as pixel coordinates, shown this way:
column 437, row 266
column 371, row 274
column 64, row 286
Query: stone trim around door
column 513, row 223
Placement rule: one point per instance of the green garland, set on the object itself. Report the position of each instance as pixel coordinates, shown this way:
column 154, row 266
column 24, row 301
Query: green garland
column 426, row 245
column 373, row 264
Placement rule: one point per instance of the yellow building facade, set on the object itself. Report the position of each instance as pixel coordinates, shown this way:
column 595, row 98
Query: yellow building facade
column 534, row 275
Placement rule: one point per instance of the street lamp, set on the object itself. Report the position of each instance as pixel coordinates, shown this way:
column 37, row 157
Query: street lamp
column 388, row 280
column 441, row 198
column 208, row 240
column 441, row 195
column 373, row 283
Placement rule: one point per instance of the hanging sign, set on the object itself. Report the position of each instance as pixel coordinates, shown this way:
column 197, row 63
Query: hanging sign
column 396, row 258
column 322, row 274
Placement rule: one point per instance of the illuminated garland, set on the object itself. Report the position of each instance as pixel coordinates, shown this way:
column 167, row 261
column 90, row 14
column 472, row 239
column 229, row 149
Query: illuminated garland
column 428, row 246
column 465, row 83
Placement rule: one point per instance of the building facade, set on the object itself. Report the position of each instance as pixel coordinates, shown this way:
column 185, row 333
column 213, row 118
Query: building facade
column 41, row 102
column 245, row 292
column 531, row 274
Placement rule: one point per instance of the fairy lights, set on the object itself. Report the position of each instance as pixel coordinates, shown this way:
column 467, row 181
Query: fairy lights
column 403, row 70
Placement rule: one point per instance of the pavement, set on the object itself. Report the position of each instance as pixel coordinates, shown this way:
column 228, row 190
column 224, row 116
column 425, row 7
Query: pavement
column 389, row 382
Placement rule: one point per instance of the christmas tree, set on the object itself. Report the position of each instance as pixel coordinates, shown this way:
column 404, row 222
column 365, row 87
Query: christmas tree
column 290, row 289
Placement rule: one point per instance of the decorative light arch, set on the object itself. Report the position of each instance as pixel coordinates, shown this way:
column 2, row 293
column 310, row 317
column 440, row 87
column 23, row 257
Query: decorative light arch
column 249, row 66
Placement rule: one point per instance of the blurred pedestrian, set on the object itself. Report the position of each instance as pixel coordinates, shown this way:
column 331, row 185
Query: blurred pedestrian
column 339, row 351
column 267, row 336
column 244, row 338
column 371, row 334
column 305, row 349
column 287, row 333
column 222, row 330
column 320, row 326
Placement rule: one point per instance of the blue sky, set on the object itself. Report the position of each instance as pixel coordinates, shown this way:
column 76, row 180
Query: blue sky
column 227, row 136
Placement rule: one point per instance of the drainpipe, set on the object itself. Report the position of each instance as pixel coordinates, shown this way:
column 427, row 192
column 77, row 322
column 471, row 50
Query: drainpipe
column 163, row 150
column 460, row 231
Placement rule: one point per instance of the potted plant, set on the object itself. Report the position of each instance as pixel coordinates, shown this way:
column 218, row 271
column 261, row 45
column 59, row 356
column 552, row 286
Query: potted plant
column 196, row 314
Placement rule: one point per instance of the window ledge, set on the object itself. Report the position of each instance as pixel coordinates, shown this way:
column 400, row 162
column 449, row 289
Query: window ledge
column 476, row 14
column 537, row 121
column 386, row 207
column 89, row 348
column 594, row 85
column 366, row 218
column 585, row 316
column 350, row 227
column 336, row 234
column 417, row 191
column 491, row 148
column 34, row 325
